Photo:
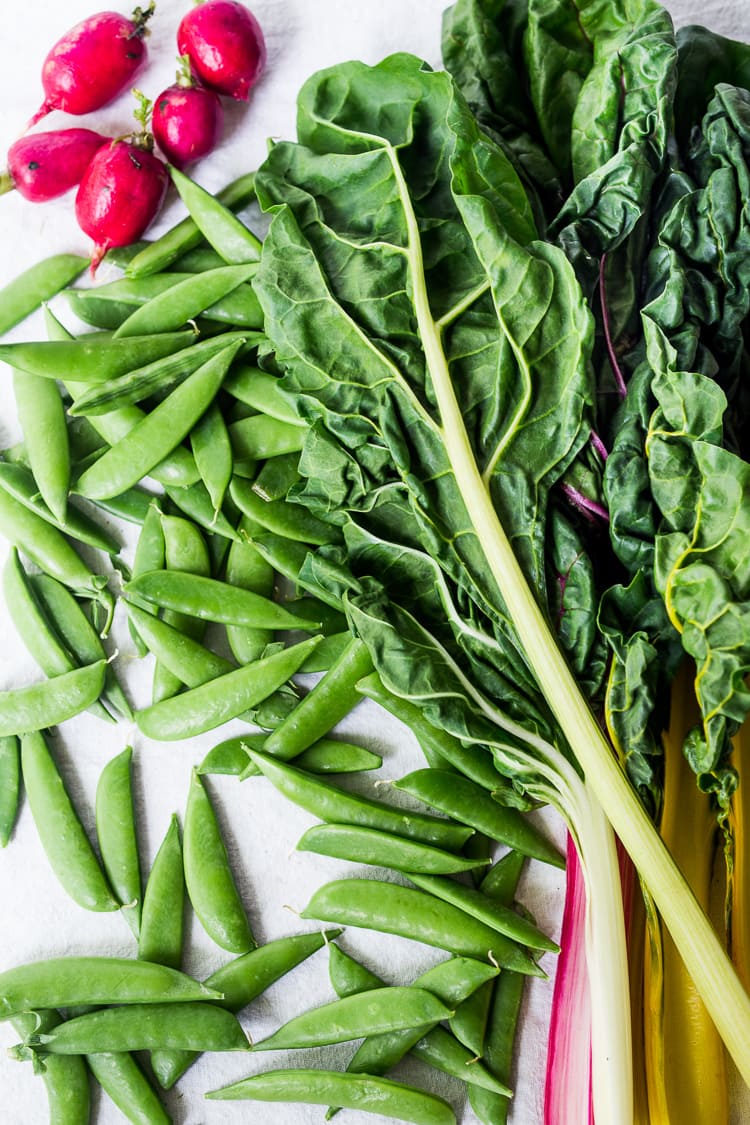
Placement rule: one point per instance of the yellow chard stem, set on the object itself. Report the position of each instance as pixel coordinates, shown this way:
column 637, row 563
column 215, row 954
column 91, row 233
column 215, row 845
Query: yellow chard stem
column 739, row 876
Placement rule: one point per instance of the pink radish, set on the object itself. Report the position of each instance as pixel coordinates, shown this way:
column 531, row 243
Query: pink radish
column 42, row 166
column 186, row 119
column 225, row 44
column 122, row 190
column 94, row 62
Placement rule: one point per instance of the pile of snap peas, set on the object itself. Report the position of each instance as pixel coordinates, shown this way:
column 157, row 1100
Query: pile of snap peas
column 160, row 414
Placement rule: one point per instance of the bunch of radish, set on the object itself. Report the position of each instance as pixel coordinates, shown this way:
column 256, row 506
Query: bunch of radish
column 121, row 181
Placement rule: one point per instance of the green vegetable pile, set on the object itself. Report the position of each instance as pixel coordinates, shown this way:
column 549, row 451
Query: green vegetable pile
column 480, row 400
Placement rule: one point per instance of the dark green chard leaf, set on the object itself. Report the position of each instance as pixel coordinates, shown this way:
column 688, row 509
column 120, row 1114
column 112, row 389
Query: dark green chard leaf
column 705, row 60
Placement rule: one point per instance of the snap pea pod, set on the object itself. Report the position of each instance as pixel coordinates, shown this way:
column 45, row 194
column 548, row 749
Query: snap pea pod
column 329, row 701
column 212, row 451
column 196, row 503
column 347, row 975
column 393, row 909
column 49, row 549
column 185, row 549
column 210, row 883
column 335, row 805
column 109, row 306
column 162, row 921
column 486, row 910
column 149, row 555
column 212, row 600
column 36, row 285
column 260, row 436
column 66, row 982
column 62, row 835
column 184, row 658
column 19, row 482
column 10, row 785
column 277, row 476
column 471, row 804
column 154, row 438
column 241, row 981
column 206, row 707
column 184, row 300
column 330, row 650
column 191, row 1026
column 288, row 558
column 121, row 1078
column 131, row 505
column 35, row 629
column 474, row 762
column 187, row 235
column 116, row 833
column 282, row 517
column 380, row 849
column 51, row 702
column 366, row 1013
column 154, row 378
column 246, row 568
column 201, row 257
column 218, row 225
column 93, row 358
column 66, row 1080
column 350, row 1091
column 42, row 418
column 325, row 756
column 263, row 392
column 81, row 638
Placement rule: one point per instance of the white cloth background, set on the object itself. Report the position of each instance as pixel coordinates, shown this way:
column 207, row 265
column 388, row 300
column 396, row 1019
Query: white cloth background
column 37, row 919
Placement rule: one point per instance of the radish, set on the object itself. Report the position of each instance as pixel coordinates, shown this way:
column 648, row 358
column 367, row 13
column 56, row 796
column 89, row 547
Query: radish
column 186, row 119
column 225, row 45
column 42, row 166
column 93, row 62
column 122, row 189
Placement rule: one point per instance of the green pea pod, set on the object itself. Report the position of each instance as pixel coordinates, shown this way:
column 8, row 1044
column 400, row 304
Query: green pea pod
column 116, row 833
column 66, row 1080
column 93, row 358
column 336, row 806
column 393, row 909
column 471, row 804
column 260, row 436
column 149, row 555
column 277, row 476
column 19, row 482
column 192, row 1026
column 51, row 702
column 36, row 285
column 288, row 558
column 329, row 652
column 66, row 982
column 10, row 785
column 486, row 910
column 348, row 976
column 62, row 835
column 380, row 849
column 444, row 1052
column 210, row 884
column 282, row 517
column 202, row 257
column 206, row 707
column 218, row 225
column 325, row 756
column 241, row 981
column 473, row 761
column 154, row 379
column 263, row 392
column 350, row 1091
column 42, row 418
column 121, row 1078
column 162, row 920
column 196, row 503
column 329, row 701
column 154, row 438
column 184, row 300
column 187, row 235
column 212, row 600
column 212, row 451
column 48, row 548
column 131, row 505
column 188, row 660
column 246, row 568
column 352, row 1017
column 34, row 627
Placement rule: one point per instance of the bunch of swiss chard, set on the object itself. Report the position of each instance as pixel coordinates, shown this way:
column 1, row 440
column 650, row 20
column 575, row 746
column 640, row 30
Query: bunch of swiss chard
column 511, row 301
